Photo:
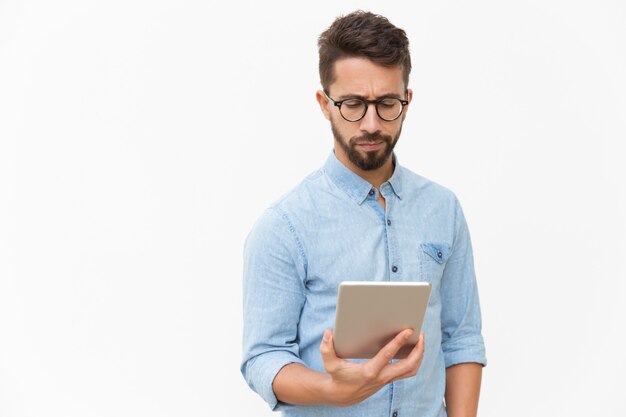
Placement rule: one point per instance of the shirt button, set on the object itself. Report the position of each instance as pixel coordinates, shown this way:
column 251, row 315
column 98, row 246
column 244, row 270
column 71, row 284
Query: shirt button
column 395, row 414
column 439, row 254
column 371, row 192
column 394, row 268
column 388, row 222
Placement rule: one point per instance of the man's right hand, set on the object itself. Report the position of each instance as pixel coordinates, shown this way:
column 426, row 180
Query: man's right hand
column 350, row 383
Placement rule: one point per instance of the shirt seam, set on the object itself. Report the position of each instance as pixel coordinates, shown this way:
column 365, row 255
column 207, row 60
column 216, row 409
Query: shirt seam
column 294, row 235
column 456, row 232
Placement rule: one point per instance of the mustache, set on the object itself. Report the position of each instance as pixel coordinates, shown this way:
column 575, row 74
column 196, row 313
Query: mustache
column 371, row 138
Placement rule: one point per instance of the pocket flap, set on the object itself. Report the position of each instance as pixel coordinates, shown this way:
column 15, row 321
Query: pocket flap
column 438, row 251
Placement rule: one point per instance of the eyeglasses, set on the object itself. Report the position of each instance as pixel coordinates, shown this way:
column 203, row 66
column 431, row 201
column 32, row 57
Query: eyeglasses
column 354, row 109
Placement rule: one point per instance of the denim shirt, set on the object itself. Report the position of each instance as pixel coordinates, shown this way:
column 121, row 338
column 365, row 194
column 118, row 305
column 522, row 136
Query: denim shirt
column 330, row 229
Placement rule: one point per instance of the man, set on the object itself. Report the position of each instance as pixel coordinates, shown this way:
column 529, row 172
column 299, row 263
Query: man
column 362, row 216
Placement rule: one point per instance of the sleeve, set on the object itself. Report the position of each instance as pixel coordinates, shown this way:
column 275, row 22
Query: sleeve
column 273, row 297
column 462, row 340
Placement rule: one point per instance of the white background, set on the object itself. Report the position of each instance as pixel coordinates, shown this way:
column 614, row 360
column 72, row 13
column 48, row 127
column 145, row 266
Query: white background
column 140, row 140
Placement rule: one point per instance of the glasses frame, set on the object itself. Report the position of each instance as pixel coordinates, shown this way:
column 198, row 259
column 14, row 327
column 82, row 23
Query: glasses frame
column 367, row 106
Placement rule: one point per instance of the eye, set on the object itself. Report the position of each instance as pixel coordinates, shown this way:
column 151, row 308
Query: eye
column 353, row 104
column 389, row 102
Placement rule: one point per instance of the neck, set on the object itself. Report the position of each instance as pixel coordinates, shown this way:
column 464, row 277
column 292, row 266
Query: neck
column 375, row 177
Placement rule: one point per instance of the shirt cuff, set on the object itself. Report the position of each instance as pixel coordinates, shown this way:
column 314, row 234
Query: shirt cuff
column 263, row 370
column 464, row 350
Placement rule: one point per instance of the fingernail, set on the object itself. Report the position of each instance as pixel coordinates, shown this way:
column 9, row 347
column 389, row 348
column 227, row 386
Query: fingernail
column 326, row 335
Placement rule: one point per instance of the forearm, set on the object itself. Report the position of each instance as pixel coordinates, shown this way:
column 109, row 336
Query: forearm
column 463, row 389
column 297, row 384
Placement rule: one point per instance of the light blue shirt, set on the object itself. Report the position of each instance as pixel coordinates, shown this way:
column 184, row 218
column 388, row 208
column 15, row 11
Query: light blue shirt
column 330, row 229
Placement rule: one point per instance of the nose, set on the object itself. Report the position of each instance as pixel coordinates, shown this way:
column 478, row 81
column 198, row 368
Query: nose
column 370, row 122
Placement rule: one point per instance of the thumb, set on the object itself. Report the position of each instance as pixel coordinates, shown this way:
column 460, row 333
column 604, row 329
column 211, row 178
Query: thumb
column 327, row 349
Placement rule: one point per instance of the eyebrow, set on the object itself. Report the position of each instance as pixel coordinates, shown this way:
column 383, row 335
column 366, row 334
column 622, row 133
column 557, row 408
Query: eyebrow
column 386, row 95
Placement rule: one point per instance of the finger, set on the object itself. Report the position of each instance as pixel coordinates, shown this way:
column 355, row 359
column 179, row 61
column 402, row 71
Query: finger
column 419, row 348
column 408, row 366
column 327, row 349
column 404, row 376
column 382, row 358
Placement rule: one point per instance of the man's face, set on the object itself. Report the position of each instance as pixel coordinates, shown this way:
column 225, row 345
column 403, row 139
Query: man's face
column 368, row 143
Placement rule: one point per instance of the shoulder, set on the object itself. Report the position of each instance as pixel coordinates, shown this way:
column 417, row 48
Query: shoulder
column 416, row 186
column 278, row 218
column 303, row 200
column 302, row 193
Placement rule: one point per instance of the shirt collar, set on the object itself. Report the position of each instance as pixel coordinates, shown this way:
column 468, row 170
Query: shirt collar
column 396, row 178
column 355, row 186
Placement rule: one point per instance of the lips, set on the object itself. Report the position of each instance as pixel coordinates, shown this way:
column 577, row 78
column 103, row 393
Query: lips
column 370, row 146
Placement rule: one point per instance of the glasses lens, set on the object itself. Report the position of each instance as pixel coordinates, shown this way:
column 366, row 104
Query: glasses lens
column 352, row 109
column 389, row 108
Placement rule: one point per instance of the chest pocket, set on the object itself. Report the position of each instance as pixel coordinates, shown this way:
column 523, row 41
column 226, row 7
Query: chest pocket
column 433, row 257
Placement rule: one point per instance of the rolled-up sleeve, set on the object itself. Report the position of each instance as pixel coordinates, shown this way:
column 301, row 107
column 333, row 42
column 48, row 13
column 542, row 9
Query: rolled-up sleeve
column 273, row 296
column 461, row 326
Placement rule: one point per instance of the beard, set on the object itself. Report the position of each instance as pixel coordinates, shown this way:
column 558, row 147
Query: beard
column 366, row 160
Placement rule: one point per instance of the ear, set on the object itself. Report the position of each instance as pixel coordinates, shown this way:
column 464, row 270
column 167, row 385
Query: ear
column 323, row 102
column 409, row 97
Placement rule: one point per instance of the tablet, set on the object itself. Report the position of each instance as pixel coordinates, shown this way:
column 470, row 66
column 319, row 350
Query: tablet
column 370, row 314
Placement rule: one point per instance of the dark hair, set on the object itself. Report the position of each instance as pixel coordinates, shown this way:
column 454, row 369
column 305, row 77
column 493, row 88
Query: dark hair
column 363, row 34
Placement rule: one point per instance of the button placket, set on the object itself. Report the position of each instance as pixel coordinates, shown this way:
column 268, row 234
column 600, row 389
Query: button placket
column 393, row 249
